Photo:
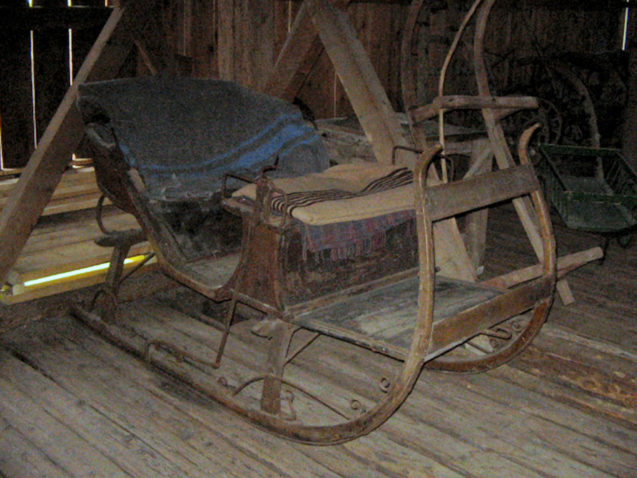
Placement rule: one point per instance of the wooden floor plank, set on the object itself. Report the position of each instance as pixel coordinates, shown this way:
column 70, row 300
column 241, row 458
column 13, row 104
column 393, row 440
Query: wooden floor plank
column 460, row 412
column 19, row 457
column 357, row 461
column 536, row 403
column 117, row 443
column 80, row 228
column 62, row 444
column 196, row 337
column 174, row 434
column 560, row 447
column 605, row 306
column 562, row 458
column 280, row 454
column 565, row 408
column 437, row 431
column 406, row 429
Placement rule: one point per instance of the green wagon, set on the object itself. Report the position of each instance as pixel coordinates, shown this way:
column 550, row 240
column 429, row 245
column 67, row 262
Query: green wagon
column 593, row 190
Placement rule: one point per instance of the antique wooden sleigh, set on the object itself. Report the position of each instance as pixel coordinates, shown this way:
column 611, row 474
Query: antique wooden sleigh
column 380, row 291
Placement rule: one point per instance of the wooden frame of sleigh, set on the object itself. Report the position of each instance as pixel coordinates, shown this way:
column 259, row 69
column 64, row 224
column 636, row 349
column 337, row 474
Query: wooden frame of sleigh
column 387, row 290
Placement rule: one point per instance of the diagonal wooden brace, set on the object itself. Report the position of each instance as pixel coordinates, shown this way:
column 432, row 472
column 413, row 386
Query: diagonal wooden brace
column 47, row 163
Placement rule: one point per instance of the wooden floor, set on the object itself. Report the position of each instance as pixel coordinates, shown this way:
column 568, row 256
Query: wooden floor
column 72, row 404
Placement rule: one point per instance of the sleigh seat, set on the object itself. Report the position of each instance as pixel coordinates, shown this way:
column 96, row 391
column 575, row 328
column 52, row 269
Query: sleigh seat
column 309, row 236
column 161, row 147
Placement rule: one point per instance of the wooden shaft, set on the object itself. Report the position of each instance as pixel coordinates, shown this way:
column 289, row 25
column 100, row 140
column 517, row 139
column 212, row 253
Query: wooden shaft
column 462, row 102
column 360, row 80
column 565, row 264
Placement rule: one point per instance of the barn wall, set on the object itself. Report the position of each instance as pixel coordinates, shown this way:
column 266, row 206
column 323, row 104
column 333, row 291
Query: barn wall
column 35, row 66
column 244, row 38
column 516, row 31
column 239, row 40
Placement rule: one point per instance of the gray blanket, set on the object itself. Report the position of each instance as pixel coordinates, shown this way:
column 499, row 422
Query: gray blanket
column 184, row 134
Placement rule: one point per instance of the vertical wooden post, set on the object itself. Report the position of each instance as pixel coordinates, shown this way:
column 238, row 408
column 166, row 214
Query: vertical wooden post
column 476, row 222
column 272, row 385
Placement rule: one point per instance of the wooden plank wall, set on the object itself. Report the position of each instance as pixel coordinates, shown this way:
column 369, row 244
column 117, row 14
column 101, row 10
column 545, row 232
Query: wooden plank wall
column 379, row 26
column 516, row 30
column 629, row 127
column 239, row 40
column 34, row 60
column 16, row 120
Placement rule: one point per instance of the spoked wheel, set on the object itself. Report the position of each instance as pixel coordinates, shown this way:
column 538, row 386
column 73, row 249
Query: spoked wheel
column 566, row 110
column 550, row 131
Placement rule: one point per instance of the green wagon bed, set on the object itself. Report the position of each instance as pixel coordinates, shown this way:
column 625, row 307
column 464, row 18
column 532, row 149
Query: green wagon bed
column 593, row 190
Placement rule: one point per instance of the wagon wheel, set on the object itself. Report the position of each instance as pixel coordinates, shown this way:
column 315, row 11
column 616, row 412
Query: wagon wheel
column 494, row 346
column 562, row 94
column 605, row 77
column 547, row 115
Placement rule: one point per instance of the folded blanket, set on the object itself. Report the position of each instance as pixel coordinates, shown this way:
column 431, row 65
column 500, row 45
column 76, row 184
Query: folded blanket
column 344, row 240
column 343, row 193
column 184, row 134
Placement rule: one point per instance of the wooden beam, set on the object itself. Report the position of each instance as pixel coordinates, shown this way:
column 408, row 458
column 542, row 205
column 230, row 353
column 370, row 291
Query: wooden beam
column 476, row 222
column 460, row 102
column 299, row 53
column 359, row 79
column 455, row 198
column 47, row 163
column 565, row 264
column 378, row 119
